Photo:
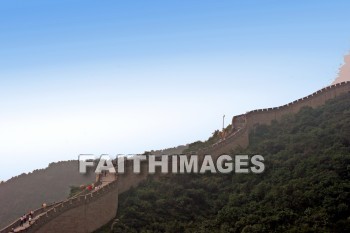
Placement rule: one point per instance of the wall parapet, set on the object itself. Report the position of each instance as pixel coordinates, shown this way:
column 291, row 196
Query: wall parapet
column 321, row 91
column 36, row 213
column 318, row 98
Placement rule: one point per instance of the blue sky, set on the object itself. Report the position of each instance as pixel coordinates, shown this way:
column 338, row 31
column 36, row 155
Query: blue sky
column 128, row 76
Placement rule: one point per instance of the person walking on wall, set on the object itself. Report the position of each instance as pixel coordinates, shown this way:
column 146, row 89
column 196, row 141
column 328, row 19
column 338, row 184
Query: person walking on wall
column 24, row 219
column 21, row 221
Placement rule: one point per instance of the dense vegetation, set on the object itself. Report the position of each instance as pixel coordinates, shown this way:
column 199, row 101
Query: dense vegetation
column 305, row 187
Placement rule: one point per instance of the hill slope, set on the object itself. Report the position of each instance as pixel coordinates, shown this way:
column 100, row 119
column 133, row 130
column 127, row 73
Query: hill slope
column 305, row 187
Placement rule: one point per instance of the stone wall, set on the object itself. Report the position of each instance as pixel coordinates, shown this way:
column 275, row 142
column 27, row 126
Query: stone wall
column 81, row 214
column 89, row 212
column 265, row 116
column 17, row 222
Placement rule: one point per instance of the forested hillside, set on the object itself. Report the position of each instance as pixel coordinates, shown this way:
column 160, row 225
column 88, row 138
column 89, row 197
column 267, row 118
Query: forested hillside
column 305, row 186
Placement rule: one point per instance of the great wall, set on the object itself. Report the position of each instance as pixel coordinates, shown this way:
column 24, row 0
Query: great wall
column 88, row 212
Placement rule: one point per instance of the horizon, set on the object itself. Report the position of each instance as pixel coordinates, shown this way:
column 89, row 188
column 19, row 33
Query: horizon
column 115, row 78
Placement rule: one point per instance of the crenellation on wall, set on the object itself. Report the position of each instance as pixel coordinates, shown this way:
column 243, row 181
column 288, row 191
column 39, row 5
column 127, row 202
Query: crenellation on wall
column 316, row 99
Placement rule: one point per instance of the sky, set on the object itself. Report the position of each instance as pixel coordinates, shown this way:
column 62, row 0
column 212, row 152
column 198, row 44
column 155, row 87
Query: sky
column 123, row 77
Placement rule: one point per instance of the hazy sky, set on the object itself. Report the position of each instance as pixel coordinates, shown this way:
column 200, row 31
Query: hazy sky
column 128, row 76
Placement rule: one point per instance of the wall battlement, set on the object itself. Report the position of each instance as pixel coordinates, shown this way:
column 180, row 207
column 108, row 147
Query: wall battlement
column 318, row 98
